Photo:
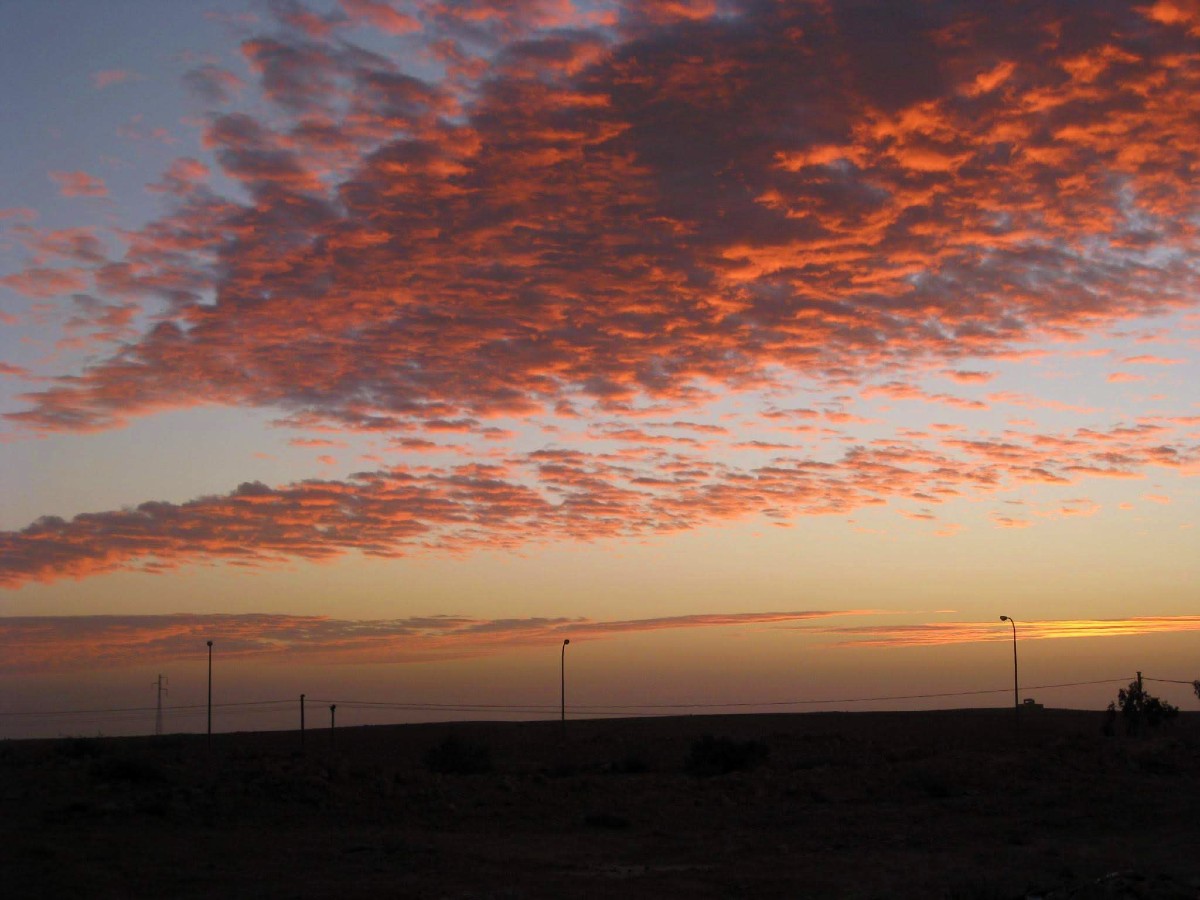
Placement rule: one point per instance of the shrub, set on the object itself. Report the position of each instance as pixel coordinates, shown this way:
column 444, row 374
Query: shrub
column 719, row 756
column 1139, row 710
column 459, row 756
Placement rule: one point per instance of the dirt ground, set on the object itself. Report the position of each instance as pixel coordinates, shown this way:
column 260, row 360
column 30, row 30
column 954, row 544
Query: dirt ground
column 955, row 804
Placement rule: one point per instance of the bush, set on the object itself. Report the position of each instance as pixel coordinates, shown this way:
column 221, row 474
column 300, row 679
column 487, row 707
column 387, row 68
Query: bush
column 1139, row 710
column 719, row 756
column 459, row 756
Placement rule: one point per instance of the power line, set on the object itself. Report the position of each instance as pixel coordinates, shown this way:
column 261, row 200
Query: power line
column 138, row 709
column 260, row 706
column 733, row 703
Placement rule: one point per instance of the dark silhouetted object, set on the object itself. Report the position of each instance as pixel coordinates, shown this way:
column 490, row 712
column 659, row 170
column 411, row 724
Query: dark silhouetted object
column 210, row 693
column 301, row 720
column 158, row 715
column 1139, row 710
column 562, row 675
column 332, row 722
column 1016, row 692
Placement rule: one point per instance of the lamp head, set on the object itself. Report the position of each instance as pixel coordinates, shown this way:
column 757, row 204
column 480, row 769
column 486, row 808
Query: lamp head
column 1005, row 619
column 210, row 643
column 566, row 641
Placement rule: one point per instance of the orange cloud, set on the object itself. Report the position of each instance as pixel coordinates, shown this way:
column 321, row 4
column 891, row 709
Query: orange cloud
column 940, row 633
column 596, row 224
column 823, row 244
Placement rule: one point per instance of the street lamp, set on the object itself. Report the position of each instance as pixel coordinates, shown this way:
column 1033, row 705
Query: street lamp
column 1016, row 695
column 563, row 680
column 210, row 693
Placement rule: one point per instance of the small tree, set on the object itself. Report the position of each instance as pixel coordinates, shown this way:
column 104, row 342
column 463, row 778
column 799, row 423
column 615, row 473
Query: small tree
column 1139, row 709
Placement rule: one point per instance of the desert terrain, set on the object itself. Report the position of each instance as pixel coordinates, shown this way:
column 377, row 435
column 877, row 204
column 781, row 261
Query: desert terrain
column 953, row 804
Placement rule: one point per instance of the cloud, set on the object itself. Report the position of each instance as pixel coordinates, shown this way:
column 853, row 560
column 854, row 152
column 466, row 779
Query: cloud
column 644, row 489
column 1152, row 361
column 213, row 84
column 40, row 643
column 655, row 183
column 940, row 633
column 596, row 225
column 79, row 184
column 381, row 15
column 109, row 77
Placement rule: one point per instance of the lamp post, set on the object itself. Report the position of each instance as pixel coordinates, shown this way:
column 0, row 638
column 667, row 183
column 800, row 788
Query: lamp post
column 210, row 693
column 1016, row 694
column 563, row 681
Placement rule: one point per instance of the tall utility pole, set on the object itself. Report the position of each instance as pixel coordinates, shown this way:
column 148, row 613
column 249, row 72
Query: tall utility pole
column 162, row 689
column 1016, row 690
column 210, row 693
column 562, row 677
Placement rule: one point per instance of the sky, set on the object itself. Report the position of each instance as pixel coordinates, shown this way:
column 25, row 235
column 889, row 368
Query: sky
column 768, row 352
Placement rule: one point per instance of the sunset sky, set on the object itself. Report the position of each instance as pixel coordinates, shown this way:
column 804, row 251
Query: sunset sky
column 769, row 352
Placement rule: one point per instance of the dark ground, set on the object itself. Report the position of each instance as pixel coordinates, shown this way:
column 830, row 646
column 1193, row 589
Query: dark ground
column 949, row 804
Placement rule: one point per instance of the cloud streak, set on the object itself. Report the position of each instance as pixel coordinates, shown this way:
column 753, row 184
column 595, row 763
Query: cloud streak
column 42, row 643
column 56, row 643
column 553, row 495
column 942, row 633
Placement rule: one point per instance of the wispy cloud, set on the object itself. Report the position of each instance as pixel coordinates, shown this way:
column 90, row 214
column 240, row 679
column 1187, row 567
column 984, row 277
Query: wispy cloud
column 79, row 184
column 108, row 77
column 937, row 633
column 30, row 644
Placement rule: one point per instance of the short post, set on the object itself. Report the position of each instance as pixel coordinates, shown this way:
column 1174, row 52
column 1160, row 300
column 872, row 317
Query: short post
column 301, row 720
column 332, row 723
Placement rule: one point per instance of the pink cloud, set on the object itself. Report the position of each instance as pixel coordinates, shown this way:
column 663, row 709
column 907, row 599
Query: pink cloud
column 18, row 212
column 381, row 15
column 966, row 376
column 79, row 184
column 1152, row 361
column 109, row 77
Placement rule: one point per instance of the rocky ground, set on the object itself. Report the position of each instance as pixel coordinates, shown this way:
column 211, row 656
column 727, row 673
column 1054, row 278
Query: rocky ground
column 955, row 804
